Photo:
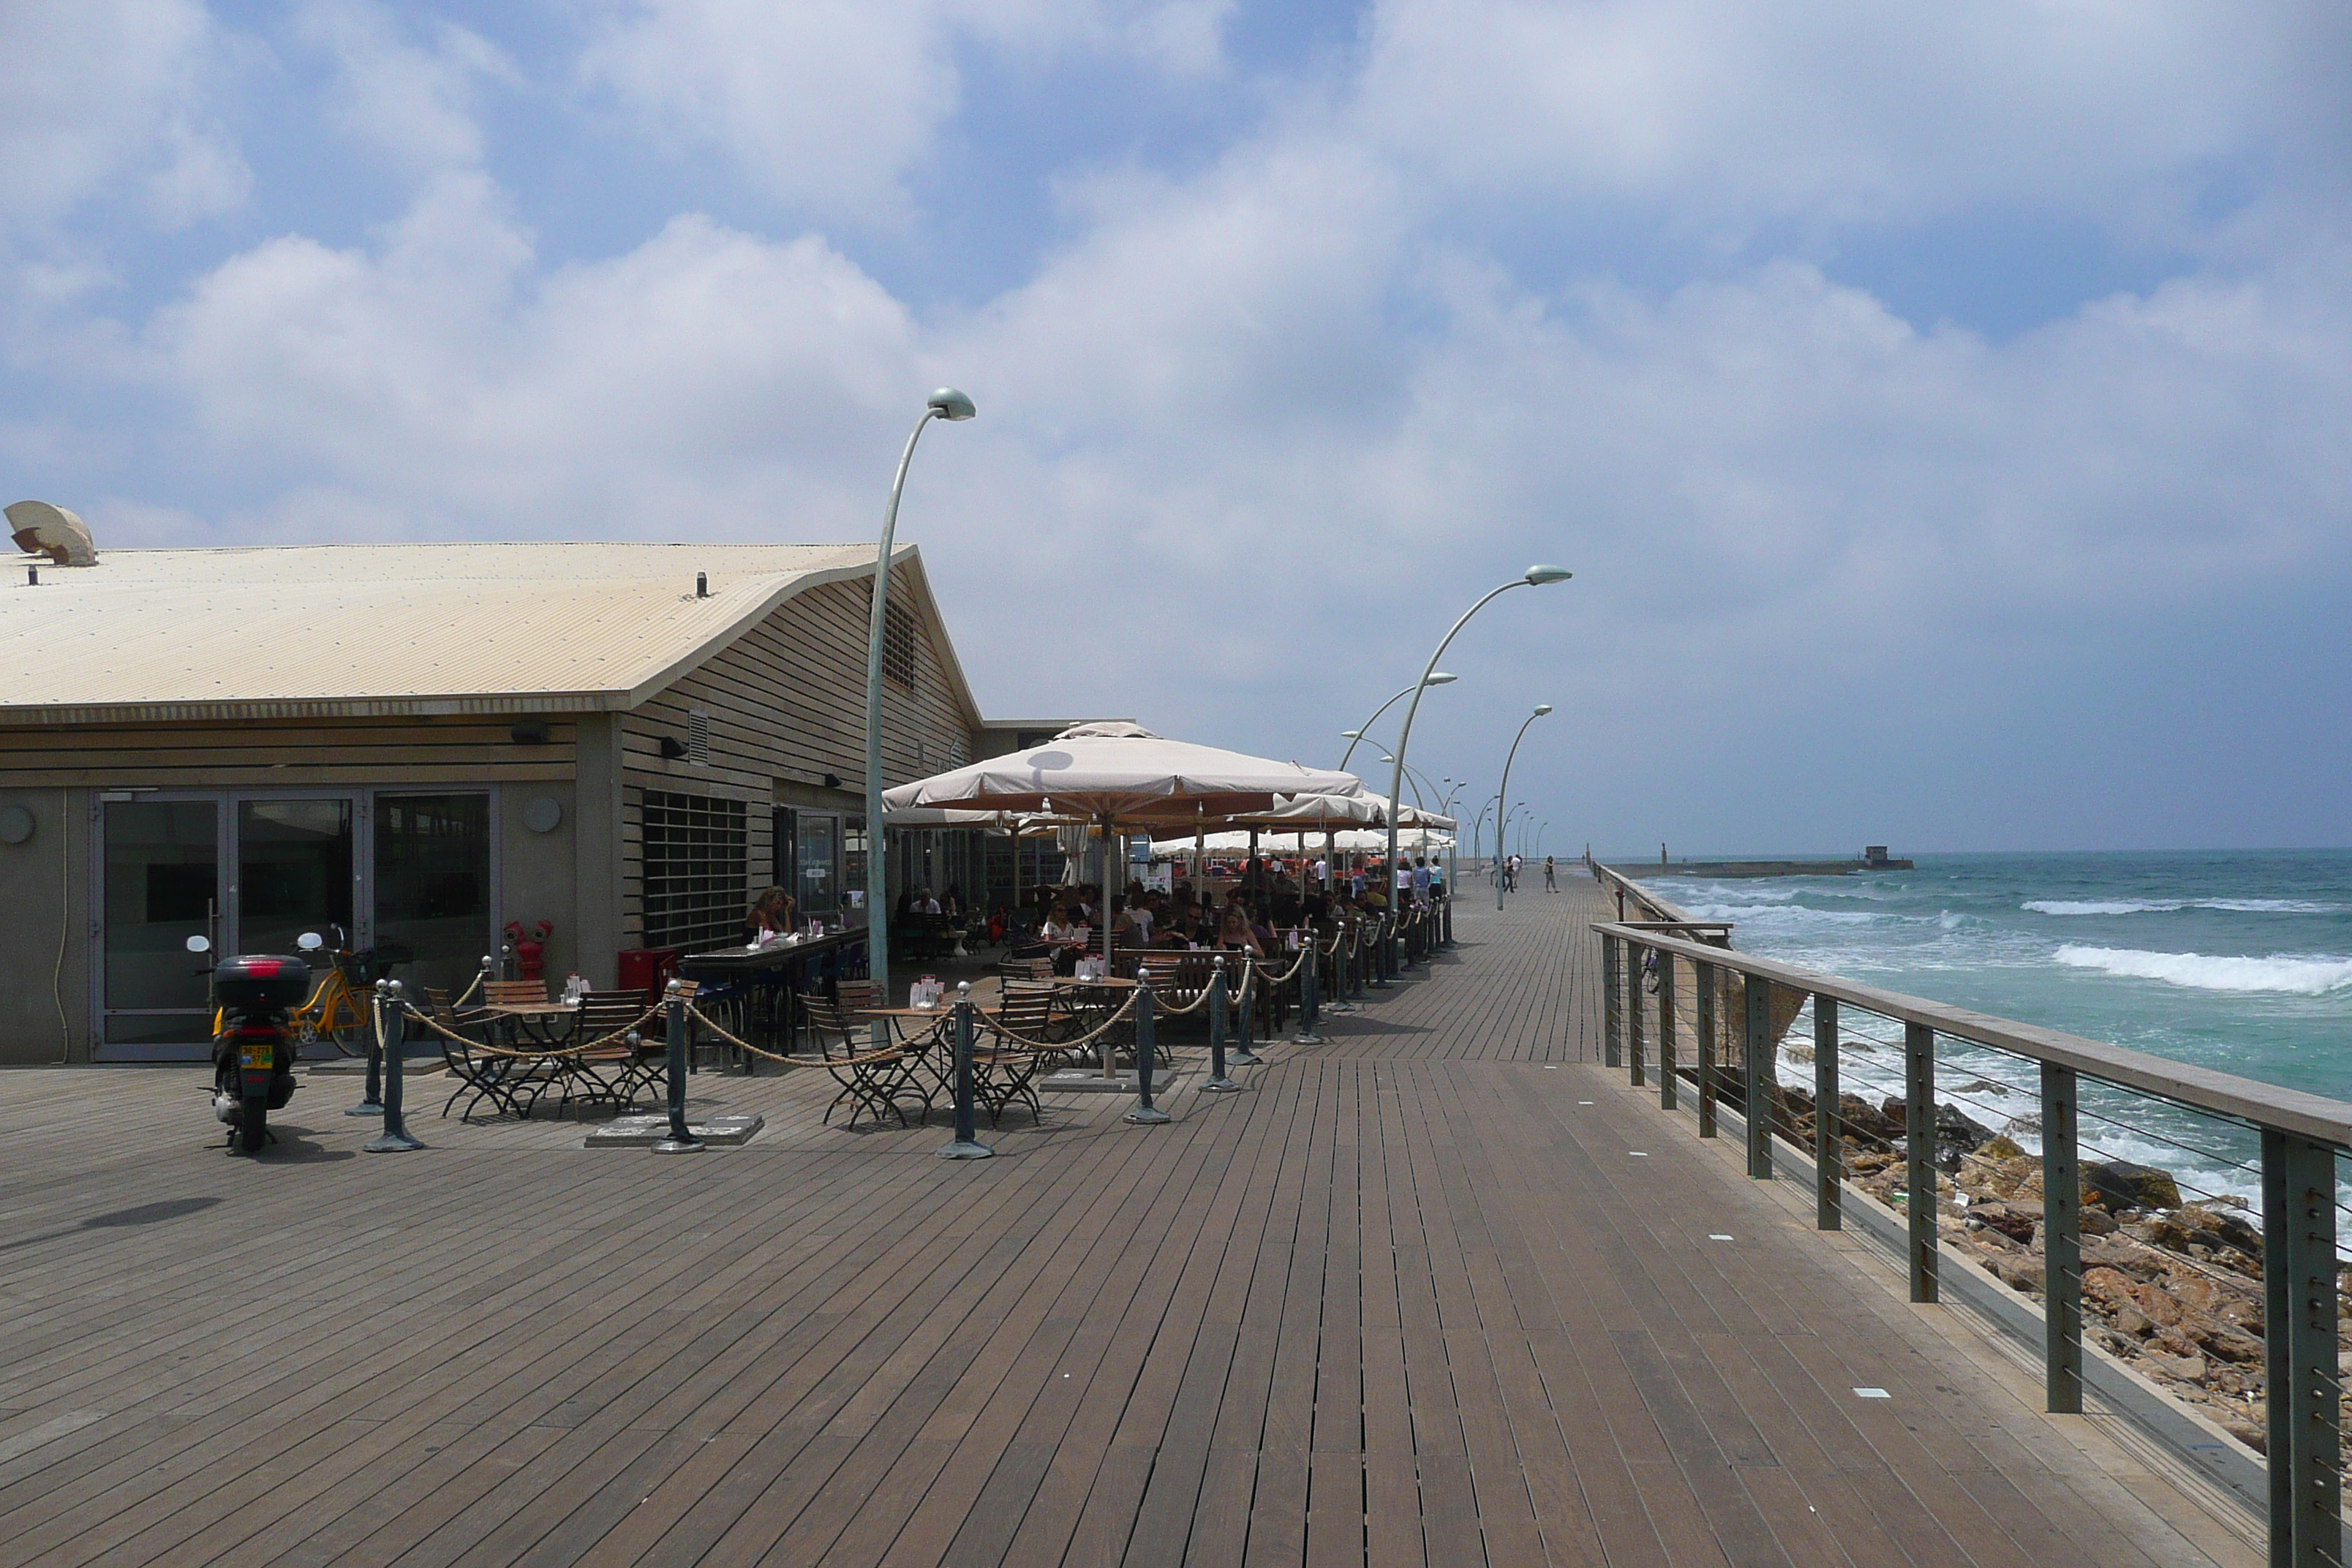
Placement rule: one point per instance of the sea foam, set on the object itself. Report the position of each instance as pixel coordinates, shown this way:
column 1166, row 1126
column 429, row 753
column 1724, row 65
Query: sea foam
column 2166, row 906
column 2307, row 974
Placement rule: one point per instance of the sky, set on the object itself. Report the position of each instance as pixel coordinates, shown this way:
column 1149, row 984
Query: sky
column 1944, row 409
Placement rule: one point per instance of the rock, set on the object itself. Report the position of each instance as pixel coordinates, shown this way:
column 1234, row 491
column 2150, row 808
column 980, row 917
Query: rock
column 2162, row 1230
column 2019, row 1273
column 2095, row 1222
column 2220, row 1229
column 1999, row 1147
column 1956, row 1128
column 1861, row 1116
column 2187, row 1368
column 2247, row 1432
column 2130, row 1321
column 2119, row 1184
column 2009, row 1221
column 2030, row 1124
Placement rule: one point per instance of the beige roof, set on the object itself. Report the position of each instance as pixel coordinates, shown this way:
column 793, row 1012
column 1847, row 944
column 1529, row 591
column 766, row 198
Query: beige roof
column 328, row 631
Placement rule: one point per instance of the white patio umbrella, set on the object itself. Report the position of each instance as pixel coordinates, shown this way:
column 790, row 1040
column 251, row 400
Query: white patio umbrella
column 1122, row 773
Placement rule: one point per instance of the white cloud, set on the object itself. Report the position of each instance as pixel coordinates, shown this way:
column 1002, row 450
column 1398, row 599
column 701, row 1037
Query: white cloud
column 1719, row 114
column 414, row 103
column 441, row 381
column 103, row 90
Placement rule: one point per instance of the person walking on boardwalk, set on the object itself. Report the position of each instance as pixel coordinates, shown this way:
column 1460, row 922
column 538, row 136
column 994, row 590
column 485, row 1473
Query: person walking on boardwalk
column 1551, row 876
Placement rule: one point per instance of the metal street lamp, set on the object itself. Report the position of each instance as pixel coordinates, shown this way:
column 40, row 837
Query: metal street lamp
column 1541, row 708
column 1536, row 576
column 1435, row 678
column 948, row 404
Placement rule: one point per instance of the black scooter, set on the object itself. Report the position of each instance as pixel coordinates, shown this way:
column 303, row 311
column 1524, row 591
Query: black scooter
column 253, row 1046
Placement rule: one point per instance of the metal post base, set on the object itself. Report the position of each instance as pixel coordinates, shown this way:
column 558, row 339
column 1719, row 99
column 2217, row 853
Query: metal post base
column 1245, row 1057
column 680, row 1146
column 1148, row 1116
column 372, row 1108
column 1220, row 1085
column 963, row 1149
column 390, row 1144
column 1308, row 1037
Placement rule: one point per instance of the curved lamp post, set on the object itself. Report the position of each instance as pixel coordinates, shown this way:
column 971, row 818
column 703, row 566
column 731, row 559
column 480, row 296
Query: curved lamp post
column 1435, row 678
column 1534, row 576
column 947, row 403
column 1541, row 708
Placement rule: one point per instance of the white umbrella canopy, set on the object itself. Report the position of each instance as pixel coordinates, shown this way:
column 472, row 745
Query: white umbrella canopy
column 1121, row 772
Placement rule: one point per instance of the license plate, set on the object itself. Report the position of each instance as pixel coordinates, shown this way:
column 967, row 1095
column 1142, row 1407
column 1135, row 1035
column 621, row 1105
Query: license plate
column 255, row 1054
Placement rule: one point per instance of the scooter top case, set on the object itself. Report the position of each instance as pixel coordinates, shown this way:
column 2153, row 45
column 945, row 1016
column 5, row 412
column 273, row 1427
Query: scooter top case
column 258, row 983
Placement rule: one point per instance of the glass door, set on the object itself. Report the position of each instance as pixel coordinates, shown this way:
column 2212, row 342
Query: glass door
column 432, row 857
column 817, row 883
column 160, row 884
column 294, row 874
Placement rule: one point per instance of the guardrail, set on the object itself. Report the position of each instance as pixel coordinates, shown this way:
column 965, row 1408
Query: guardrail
column 1740, row 1007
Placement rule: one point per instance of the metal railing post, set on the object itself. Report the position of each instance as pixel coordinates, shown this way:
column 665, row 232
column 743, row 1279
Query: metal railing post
column 1245, row 1019
column 1218, row 1082
column 1383, row 924
column 1339, row 1002
column 676, row 1051
column 967, row 1144
column 1919, row 1156
column 1145, row 1113
column 1612, row 1023
column 1310, row 992
column 393, row 1008
column 1634, row 1051
column 2062, row 1244
column 2300, row 1317
column 1829, row 1128
column 1702, row 981
column 1667, row 1066
column 1756, row 1078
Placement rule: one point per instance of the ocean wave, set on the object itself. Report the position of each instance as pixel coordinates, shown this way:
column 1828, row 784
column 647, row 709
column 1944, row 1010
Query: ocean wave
column 1783, row 914
column 2166, row 906
column 2308, row 975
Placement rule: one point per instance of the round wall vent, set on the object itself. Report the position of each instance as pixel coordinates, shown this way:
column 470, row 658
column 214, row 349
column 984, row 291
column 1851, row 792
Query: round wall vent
column 542, row 813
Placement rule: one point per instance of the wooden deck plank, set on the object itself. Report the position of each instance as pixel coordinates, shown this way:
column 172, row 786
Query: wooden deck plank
column 1405, row 1299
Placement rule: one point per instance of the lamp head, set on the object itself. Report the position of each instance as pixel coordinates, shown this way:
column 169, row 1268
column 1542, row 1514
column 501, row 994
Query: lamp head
column 1542, row 708
column 1351, row 734
column 1538, row 574
column 949, row 404
column 1439, row 677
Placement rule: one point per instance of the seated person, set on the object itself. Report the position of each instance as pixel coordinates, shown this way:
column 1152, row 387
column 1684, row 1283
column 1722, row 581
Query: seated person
column 1234, row 933
column 770, row 915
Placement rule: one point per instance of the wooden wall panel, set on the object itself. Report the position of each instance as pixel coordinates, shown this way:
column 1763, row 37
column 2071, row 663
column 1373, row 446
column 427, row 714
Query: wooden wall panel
column 266, row 753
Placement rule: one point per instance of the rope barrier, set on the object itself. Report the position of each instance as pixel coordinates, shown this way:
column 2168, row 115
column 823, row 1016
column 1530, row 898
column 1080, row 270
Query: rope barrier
column 547, row 1053
column 889, row 1053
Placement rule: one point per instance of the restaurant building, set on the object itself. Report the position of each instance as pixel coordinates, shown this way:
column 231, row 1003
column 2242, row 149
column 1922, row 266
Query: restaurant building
column 423, row 742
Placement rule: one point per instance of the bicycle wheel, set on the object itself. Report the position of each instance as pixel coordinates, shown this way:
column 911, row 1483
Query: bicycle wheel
column 348, row 1026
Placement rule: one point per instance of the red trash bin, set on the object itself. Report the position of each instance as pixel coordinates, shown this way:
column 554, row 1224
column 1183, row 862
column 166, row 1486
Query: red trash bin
column 648, row 969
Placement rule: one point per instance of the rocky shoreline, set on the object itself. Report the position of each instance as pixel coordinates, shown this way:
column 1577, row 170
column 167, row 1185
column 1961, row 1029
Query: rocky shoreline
column 2172, row 1289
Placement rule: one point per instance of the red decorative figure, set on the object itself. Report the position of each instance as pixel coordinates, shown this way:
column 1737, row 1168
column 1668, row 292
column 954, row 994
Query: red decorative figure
column 531, row 952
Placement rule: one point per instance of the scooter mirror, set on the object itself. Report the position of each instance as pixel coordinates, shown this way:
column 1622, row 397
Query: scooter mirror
column 200, row 944
column 309, row 942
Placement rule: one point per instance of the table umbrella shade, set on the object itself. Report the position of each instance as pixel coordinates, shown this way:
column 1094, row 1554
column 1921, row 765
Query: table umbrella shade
column 1122, row 773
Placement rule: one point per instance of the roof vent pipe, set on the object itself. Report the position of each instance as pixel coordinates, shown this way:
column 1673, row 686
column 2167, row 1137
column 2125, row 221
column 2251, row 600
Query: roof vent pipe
column 702, row 584
column 41, row 529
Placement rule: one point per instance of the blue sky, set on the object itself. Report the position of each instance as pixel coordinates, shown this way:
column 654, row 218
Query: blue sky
column 1943, row 408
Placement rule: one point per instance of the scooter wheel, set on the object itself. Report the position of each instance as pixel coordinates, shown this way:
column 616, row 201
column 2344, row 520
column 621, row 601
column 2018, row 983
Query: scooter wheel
column 253, row 1125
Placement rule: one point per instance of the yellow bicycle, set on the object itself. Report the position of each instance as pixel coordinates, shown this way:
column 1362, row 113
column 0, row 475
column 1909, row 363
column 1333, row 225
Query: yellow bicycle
column 338, row 1009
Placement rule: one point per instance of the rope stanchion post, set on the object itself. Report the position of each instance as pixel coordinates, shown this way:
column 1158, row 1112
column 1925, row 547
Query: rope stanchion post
column 1244, row 1010
column 1145, row 1113
column 1310, row 990
column 1218, row 1082
column 1377, row 961
column 371, row 1098
column 681, row 1139
column 1340, row 944
column 967, row 1144
column 392, row 1012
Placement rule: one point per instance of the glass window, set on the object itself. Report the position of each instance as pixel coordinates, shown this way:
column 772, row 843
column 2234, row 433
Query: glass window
column 818, row 838
column 293, row 872
column 162, row 885
column 853, row 870
column 432, row 884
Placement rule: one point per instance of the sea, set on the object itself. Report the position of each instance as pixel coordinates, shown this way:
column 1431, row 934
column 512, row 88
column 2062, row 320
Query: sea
column 2240, row 960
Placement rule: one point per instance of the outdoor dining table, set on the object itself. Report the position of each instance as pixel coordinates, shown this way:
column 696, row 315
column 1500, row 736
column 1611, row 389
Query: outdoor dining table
column 777, row 969
column 527, row 1019
column 1104, row 1001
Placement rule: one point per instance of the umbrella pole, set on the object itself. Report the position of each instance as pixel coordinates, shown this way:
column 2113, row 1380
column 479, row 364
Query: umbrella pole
column 1109, row 1052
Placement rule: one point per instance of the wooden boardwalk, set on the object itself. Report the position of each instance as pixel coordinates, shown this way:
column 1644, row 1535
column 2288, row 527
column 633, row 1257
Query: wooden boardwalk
column 1439, row 1291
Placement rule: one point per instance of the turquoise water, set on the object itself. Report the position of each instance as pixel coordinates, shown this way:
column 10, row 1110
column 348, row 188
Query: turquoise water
column 2237, row 960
